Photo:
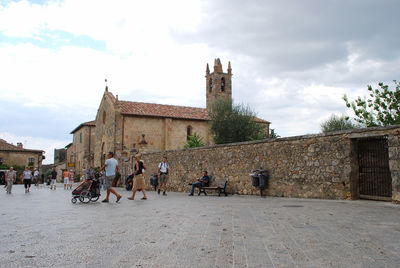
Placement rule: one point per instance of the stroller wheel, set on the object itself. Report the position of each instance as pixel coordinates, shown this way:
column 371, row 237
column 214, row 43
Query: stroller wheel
column 85, row 196
column 73, row 200
column 94, row 199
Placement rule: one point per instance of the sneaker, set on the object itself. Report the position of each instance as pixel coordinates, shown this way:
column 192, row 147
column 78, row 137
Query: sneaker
column 190, row 194
column 118, row 198
column 144, row 198
column 105, row 201
column 158, row 191
column 164, row 193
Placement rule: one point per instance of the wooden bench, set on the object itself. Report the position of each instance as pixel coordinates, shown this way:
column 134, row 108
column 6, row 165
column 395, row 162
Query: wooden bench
column 218, row 185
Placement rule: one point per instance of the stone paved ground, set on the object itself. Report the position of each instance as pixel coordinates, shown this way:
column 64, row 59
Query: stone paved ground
column 44, row 229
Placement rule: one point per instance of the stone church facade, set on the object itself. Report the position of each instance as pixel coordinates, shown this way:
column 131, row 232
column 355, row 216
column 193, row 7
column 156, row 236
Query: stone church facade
column 127, row 127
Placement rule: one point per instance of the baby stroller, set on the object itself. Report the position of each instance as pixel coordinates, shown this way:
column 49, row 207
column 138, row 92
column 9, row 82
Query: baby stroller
column 87, row 191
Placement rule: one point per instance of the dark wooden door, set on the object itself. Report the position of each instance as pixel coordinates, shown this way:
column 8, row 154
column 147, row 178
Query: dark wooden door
column 375, row 180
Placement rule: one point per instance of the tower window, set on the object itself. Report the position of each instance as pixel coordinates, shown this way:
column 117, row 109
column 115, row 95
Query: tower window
column 104, row 117
column 188, row 132
column 80, row 137
column 210, row 85
column 222, row 84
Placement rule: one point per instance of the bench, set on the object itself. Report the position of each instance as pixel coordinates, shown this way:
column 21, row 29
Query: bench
column 217, row 185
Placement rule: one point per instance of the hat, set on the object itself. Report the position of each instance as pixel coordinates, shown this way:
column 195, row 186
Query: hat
column 138, row 156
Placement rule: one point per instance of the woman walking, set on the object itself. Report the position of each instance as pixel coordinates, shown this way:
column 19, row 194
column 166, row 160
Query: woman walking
column 27, row 176
column 138, row 184
column 11, row 176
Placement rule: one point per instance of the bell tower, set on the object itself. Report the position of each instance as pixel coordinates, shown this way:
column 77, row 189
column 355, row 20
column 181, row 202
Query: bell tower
column 218, row 83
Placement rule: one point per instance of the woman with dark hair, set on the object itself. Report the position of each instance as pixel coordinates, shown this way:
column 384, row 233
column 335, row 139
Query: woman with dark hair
column 138, row 183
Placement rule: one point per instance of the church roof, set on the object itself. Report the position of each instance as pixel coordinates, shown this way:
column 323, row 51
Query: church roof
column 162, row 110
column 5, row 146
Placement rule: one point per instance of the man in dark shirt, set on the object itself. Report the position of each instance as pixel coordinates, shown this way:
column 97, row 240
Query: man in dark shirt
column 203, row 181
column 53, row 179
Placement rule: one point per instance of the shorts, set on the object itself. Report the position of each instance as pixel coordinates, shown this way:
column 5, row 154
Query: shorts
column 109, row 181
column 163, row 178
column 53, row 181
column 66, row 180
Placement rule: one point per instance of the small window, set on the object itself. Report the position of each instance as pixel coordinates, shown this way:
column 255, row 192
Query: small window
column 80, row 137
column 210, row 85
column 222, row 84
column 1, row 161
column 104, row 117
column 31, row 160
column 188, row 132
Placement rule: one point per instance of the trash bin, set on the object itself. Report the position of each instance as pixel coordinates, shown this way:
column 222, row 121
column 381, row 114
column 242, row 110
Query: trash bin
column 263, row 176
column 255, row 180
column 259, row 178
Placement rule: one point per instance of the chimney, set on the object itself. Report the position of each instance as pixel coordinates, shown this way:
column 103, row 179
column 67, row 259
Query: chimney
column 19, row 145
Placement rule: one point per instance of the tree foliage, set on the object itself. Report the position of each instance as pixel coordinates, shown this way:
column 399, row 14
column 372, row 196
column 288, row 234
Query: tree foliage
column 233, row 123
column 194, row 141
column 335, row 123
column 382, row 107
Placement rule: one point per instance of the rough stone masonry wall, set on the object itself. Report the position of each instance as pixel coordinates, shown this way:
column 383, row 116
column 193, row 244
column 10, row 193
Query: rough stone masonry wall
column 314, row 166
column 311, row 167
column 394, row 165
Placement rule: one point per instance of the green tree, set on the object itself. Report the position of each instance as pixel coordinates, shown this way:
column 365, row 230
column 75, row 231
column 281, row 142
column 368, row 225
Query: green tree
column 335, row 123
column 382, row 108
column 194, row 141
column 233, row 123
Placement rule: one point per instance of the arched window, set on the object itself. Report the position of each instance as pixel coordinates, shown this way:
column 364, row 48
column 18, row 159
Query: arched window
column 222, row 84
column 210, row 85
column 188, row 132
column 104, row 117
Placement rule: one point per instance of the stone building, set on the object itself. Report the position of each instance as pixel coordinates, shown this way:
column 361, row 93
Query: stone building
column 80, row 153
column 126, row 127
column 12, row 155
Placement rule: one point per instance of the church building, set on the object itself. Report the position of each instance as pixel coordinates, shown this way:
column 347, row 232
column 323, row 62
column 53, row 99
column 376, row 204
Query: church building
column 127, row 127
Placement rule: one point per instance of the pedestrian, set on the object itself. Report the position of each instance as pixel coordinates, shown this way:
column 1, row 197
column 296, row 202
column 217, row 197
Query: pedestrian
column 11, row 177
column 90, row 173
column 53, row 179
column 163, row 170
column 27, row 176
column 111, row 168
column 103, row 180
column 66, row 179
column 138, row 183
column 71, row 178
column 36, row 177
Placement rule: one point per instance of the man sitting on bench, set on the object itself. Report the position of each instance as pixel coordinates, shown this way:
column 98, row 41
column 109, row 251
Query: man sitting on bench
column 202, row 182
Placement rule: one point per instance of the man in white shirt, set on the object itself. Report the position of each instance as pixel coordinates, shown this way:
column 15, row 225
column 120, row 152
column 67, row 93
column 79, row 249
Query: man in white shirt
column 111, row 168
column 163, row 170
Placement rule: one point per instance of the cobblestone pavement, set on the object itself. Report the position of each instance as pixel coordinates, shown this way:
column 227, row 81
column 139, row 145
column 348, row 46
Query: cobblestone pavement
column 44, row 229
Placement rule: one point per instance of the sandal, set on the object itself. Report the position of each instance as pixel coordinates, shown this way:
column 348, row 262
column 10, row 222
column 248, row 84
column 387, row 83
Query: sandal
column 130, row 198
column 144, row 198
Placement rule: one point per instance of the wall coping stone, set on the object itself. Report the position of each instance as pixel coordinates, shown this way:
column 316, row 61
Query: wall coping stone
column 350, row 133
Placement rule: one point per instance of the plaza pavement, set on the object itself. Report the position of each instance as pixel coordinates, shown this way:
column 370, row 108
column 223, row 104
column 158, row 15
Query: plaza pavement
column 44, row 229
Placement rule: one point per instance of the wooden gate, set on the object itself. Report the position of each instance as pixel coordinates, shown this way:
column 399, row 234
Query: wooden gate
column 375, row 180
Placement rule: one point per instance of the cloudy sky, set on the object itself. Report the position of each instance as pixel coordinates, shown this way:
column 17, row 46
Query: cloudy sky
column 292, row 60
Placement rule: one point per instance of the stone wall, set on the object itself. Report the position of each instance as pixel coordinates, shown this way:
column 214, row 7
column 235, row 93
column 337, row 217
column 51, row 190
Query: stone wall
column 21, row 158
column 314, row 166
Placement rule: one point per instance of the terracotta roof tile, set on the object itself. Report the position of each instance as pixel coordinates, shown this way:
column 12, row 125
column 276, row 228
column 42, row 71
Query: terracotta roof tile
column 161, row 110
column 89, row 123
column 5, row 146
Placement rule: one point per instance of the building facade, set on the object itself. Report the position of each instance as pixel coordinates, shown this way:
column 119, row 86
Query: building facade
column 126, row 127
column 12, row 155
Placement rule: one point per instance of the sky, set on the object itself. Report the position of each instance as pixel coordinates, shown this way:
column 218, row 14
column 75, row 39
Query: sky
column 292, row 61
